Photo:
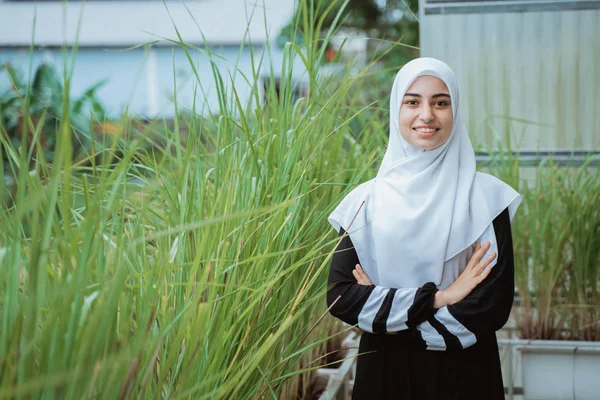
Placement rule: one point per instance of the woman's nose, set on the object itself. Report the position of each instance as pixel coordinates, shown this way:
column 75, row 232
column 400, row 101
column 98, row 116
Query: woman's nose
column 426, row 115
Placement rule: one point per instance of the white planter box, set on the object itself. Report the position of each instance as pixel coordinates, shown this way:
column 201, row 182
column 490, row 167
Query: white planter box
column 556, row 369
column 340, row 380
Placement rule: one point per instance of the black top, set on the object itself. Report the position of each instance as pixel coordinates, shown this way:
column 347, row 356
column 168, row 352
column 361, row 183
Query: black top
column 399, row 365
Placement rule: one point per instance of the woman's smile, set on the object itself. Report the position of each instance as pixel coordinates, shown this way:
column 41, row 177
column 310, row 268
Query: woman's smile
column 426, row 131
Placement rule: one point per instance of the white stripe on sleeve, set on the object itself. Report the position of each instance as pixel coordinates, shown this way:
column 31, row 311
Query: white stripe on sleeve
column 371, row 307
column 403, row 300
column 430, row 335
column 465, row 336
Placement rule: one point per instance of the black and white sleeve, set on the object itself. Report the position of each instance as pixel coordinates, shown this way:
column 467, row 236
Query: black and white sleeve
column 374, row 308
column 486, row 309
column 379, row 309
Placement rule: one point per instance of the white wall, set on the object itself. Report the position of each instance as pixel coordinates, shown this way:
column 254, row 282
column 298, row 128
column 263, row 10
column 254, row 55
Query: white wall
column 143, row 78
column 534, row 74
column 126, row 23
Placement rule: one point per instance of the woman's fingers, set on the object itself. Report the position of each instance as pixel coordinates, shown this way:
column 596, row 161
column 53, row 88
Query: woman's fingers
column 363, row 277
column 485, row 262
column 357, row 276
column 477, row 254
column 360, row 276
column 361, row 271
column 483, row 269
column 484, row 274
column 482, row 249
column 364, row 274
column 475, row 272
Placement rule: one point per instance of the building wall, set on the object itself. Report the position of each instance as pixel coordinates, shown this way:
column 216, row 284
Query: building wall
column 143, row 80
column 531, row 75
column 124, row 23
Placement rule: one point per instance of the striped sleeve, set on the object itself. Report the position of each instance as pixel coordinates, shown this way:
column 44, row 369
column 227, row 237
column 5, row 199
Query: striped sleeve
column 374, row 308
column 486, row 309
column 378, row 309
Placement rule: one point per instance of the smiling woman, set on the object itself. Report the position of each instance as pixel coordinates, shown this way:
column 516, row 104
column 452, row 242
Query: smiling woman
column 426, row 266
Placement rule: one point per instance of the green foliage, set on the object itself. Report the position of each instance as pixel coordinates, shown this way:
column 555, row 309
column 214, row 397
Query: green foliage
column 556, row 235
column 396, row 22
column 33, row 109
column 197, row 271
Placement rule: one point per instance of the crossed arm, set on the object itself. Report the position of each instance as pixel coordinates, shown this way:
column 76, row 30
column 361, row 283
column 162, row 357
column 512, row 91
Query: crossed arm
column 476, row 304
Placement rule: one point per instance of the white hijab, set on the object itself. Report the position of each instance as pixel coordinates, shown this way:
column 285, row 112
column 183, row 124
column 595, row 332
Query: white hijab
column 423, row 207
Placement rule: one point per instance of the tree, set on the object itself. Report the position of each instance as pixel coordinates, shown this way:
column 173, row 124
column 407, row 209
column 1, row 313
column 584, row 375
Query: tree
column 389, row 20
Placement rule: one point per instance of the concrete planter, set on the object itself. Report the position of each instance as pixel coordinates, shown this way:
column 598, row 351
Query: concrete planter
column 556, row 369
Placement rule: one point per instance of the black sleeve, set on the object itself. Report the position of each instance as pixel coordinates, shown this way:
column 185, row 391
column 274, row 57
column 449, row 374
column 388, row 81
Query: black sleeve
column 373, row 308
column 487, row 308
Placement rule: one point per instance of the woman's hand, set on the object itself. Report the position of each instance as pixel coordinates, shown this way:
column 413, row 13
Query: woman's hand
column 473, row 275
column 360, row 276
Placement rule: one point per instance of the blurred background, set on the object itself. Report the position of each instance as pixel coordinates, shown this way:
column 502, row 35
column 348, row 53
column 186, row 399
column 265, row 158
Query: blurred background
column 528, row 69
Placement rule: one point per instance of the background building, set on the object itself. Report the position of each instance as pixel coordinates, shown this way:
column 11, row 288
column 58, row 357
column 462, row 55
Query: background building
column 128, row 44
column 528, row 67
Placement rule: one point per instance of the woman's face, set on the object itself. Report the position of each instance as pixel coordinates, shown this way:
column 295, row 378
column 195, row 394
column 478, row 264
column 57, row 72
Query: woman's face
column 425, row 119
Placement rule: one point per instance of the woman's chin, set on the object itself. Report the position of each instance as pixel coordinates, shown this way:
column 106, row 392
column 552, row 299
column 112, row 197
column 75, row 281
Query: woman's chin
column 430, row 142
column 427, row 141
column 427, row 144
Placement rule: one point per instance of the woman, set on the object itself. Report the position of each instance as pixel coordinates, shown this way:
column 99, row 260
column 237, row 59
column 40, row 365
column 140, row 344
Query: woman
column 426, row 270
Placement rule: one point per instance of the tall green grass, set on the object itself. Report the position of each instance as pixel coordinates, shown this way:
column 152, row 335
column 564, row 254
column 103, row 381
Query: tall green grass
column 196, row 270
column 556, row 236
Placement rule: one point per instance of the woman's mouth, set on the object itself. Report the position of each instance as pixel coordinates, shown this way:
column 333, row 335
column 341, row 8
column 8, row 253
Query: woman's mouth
column 426, row 132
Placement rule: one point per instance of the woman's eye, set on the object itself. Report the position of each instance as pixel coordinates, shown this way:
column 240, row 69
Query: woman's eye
column 410, row 102
column 441, row 103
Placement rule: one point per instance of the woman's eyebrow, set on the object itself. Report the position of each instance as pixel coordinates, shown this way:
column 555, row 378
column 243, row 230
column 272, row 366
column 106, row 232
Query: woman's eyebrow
column 433, row 97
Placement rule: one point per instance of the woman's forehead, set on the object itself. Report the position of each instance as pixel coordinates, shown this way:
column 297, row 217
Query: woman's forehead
column 427, row 84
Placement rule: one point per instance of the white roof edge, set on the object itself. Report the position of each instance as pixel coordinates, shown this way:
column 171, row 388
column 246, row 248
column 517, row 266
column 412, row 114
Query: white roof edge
column 128, row 23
